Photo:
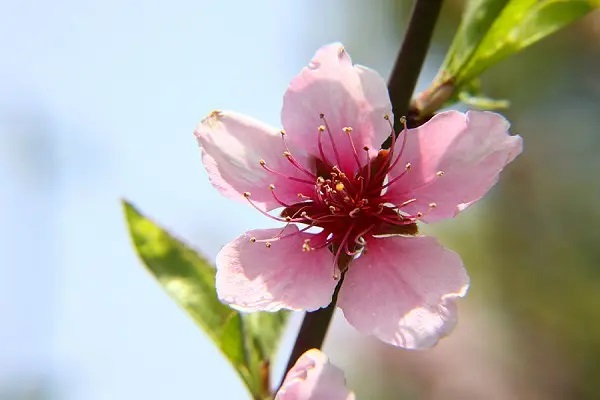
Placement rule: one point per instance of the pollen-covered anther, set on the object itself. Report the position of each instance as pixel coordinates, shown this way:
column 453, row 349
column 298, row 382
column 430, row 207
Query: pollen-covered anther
column 408, row 166
column 354, row 212
column 332, row 209
column 347, row 129
column 271, row 187
column 339, row 186
column 321, row 115
column 262, row 162
column 247, row 195
column 432, row 205
column 268, row 245
column 287, row 154
column 366, row 148
column 306, row 246
column 252, row 239
column 403, row 119
column 282, row 132
column 288, row 219
column 321, row 128
column 440, row 173
column 419, row 214
column 386, row 117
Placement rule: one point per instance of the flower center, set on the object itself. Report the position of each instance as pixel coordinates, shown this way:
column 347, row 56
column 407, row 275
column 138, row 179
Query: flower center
column 349, row 206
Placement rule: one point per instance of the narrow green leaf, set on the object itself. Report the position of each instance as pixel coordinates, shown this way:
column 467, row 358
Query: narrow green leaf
column 266, row 329
column 190, row 280
column 478, row 17
column 520, row 24
column 248, row 341
column 490, row 31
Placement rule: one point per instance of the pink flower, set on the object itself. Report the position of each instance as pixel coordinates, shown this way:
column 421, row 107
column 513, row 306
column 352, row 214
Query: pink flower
column 314, row 378
column 325, row 172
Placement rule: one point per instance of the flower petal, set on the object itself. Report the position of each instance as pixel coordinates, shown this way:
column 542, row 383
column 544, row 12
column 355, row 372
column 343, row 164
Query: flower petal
column 348, row 96
column 252, row 277
column 403, row 290
column 232, row 147
column 314, row 378
column 470, row 149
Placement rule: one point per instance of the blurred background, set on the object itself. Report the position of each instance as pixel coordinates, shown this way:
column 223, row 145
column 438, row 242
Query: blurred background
column 98, row 101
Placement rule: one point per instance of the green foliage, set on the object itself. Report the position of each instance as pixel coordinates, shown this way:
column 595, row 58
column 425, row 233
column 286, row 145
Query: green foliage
column 490, row 31
column 247, row 341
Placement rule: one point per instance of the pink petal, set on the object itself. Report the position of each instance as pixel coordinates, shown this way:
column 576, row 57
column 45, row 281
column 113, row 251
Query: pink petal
column 403, row 290
column 471, row 149
column 232, row 147
column 348, row 96
column 252, row 277
column 314, row 378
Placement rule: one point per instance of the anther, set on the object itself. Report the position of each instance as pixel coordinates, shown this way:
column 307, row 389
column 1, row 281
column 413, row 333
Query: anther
column 408, row 166
column 306, row 246
column 252, row 239
column 321, row 115
column 403, row 119
column 366, row 148
column 339, row 186
column 419, row 214
column 271, row 187
column 287, row 154
column 268, row 245
column 432, row 205
column 386, row 117
column 347, row 129
column 262, row 162
column 354, row 212
column 282, row 132
column 247, row 195
column 321, row 128
column 440, row 173
column 332, row 209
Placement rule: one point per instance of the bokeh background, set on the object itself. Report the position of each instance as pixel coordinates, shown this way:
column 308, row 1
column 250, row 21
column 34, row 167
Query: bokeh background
column 98, row 101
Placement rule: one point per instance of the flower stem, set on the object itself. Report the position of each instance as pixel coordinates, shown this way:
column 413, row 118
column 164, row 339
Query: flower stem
column 313, row 330
column 401, row 86
column 411, row 57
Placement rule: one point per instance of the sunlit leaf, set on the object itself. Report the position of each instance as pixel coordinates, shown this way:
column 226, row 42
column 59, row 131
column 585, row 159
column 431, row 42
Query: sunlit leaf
column 490, row 31
column 520, row 24
column 248, row 341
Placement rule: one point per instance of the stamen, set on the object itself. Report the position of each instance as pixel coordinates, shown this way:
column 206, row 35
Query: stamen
column 247, row 196
column 348, row 130
column 296, row 164
column 368, row 177
column 406, row 169
column 333, row 146
column 321, row 129
column 277, row 199
column 263, row 164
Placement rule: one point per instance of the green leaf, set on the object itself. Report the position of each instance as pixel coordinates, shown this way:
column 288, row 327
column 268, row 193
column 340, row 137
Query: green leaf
column 472, row 96
column 490, row 31
column 520, row 24
column 247, row 341
column 478, row 17
column 266, row 329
